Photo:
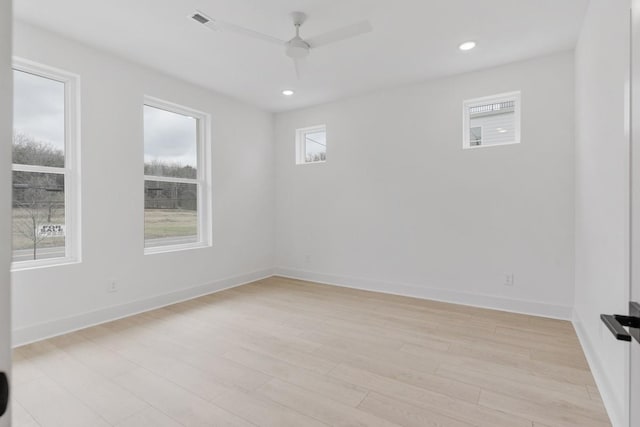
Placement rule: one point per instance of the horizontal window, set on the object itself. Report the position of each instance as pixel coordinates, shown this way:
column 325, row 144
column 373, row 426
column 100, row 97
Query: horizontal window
column 493, row 120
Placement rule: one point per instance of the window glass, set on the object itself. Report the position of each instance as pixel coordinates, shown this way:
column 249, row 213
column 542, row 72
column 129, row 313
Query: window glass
column 492, row 121
column 311, row 145
column 42, row 196
column 315, row 146
column 170, row 213
column 38, row 216
column 38, row 120
column 174, row 178
column 170, row 144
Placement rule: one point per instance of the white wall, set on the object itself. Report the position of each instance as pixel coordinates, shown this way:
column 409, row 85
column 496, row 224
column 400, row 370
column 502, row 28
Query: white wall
column 5, row 189
column 602, row 194
column 400, row 207
column 51, row 300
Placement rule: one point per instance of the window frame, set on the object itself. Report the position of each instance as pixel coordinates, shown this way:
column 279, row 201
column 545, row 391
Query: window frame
column 301, row 148
column 71, row 169
column 202, row 181
column 515, row 96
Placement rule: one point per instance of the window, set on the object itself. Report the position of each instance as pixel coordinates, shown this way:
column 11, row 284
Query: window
column 493, row 120
column 311, row 145
column 45, row 209
column 176, row 183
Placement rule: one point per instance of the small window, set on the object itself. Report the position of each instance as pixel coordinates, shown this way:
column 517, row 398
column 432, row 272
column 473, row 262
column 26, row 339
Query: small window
column 311, row 145
column 45, row 209
column 176, row 202
column 493, row 120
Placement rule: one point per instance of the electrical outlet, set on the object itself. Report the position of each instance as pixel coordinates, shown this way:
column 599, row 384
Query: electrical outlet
column 112, row 286
column 509, row 279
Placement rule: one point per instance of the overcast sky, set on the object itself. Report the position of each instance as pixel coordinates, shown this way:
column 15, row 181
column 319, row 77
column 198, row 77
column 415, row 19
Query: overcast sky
column 169, row 137
column 38, row 108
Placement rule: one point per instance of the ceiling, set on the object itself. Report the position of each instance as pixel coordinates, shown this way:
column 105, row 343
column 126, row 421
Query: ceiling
column 412, row 40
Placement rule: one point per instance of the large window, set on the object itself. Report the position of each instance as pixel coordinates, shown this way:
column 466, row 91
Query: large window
column 492, row 120
column 45, row 209
column 176, row 184
column 311, row 145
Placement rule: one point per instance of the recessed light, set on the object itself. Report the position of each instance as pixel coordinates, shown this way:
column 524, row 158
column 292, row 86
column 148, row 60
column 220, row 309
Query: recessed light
column 288, row 92
column 467, row 46
column 501, row 130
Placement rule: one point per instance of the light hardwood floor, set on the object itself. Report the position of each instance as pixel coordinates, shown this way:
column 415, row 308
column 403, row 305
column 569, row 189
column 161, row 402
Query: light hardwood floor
column 282, row 352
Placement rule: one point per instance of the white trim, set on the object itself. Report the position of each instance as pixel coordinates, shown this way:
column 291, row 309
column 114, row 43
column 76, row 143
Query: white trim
column 174, row 248
column 617, row 413
column 535, row 308
column 72, row 165
column 15, row 167
column 170, row 179
column 203, row 180
column 466, row 128
column 301, row 148
column 45, row 330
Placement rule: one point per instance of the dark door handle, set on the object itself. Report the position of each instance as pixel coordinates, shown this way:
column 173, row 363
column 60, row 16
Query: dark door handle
column 4, row 393
column 615, row 327
column 616, row 323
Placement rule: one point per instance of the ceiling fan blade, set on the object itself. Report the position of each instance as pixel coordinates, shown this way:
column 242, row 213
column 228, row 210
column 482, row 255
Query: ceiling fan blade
column 296, row 64
column 216, row 25
column 300, row 65
column 340, row 34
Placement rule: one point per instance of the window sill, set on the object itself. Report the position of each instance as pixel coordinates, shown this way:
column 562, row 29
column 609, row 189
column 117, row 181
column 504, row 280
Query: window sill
column 319, row 162
column 175, row 248
column 478, row 147
column 45, row 263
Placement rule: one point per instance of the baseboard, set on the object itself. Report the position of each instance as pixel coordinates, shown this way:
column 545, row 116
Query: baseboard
column 437, row 294
column 65, row 325
column 617, row 414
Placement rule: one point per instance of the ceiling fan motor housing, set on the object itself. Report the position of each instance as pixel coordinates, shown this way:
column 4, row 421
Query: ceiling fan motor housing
column 297, row 48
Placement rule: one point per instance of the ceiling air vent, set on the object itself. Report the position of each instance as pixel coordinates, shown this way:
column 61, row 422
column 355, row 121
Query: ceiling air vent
column 200, row 18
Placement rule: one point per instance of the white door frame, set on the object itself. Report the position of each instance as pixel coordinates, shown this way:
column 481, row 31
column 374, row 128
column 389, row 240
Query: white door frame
column 634, row 241
column 6, row 125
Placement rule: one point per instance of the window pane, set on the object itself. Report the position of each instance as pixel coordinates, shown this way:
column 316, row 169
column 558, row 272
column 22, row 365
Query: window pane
column 315, row 146
column 170, row 213
column 475, row 137
column 492, row 123
column 38, row 216
column 38, row 120
column 170, row 144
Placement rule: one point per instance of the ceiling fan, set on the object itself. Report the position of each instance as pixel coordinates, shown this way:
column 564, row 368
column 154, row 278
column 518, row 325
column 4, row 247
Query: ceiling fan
column 297, row 48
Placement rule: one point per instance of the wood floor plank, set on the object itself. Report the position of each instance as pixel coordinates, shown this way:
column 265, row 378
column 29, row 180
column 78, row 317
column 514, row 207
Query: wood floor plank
column 95, row 357
column 284, row 352
column 50, row 405
column 557, row 415
column 437, row 402
column 20, row 416
column 150, row 417
column 405, row 414
column 177, row 403
column 264, row 412
column 100, row 394
column 319, row 407
column 329, row 387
